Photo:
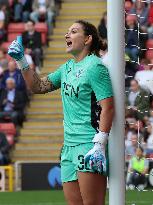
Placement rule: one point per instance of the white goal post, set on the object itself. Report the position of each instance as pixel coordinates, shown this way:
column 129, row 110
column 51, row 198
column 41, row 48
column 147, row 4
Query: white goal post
column 116, row 43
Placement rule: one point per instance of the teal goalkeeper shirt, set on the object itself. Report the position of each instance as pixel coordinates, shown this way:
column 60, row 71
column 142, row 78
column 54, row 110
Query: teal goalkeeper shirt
column 82, row 85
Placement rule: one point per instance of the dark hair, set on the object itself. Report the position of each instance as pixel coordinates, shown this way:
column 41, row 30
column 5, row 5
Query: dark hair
column 33, row 22
column 102, row 21
column 90, row 29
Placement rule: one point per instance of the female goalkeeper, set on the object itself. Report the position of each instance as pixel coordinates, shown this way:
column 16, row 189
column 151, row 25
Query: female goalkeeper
column 88, row 112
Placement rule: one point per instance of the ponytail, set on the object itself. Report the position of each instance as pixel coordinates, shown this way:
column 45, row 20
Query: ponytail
column 90, row 29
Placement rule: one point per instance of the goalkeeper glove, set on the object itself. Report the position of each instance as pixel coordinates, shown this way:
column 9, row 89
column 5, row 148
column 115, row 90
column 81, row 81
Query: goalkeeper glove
column 96, row 156
column 16, row 51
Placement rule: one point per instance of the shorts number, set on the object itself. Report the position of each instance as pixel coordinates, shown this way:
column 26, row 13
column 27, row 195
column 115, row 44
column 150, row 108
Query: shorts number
column 82, row 163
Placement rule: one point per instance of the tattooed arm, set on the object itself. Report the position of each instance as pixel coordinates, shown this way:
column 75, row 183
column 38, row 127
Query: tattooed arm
column 36, row 84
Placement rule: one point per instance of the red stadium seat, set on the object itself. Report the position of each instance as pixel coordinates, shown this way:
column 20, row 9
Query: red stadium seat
column 16, row 28
column 42, row 28
column 149, row 54
column 43, row 38
column 151, row 155
column 149, row 43
column 12, row 36
column 151, row 61
column 9, row 130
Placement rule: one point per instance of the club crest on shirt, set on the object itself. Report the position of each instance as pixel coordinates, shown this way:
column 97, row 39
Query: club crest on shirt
column 78, row 74
column 69, row 71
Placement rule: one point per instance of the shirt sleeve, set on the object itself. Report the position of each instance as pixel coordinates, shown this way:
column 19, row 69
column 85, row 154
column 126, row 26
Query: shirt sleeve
column 55, row 77
column 100, row 82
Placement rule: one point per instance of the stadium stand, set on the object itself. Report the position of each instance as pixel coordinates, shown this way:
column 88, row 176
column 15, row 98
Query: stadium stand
column 43, row 126
column 143, row 64
column 41, row 135
column 140, row 59
column 138, row 76
column 13, row 27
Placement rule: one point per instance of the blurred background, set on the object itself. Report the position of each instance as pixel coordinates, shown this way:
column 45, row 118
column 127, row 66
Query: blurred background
column 31, row 126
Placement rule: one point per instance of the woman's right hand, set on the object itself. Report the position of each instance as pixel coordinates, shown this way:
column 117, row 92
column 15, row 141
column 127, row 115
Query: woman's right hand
column 16, row 51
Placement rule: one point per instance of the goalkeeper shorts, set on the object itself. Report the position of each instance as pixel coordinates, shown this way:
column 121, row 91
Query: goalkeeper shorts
column 72, row 161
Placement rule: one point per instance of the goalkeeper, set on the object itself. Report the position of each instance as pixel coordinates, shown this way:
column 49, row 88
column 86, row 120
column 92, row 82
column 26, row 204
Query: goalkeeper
column 88, row 112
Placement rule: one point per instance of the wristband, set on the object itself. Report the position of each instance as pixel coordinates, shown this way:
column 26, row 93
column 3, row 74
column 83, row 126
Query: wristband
column 22, row 64
column 101, row 137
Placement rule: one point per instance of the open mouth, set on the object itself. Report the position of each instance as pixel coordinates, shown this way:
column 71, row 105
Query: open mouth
column 69, row 43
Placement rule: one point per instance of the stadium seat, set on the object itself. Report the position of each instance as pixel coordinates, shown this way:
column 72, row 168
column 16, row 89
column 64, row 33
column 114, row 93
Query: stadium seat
column 150, row 156
column 149, row 54
column 43, row 38
column 149, row 43
column 12, row 36
column 130, row 17
column 16, row 28
column 151, row 61
column 42, row 28
column 9, row 130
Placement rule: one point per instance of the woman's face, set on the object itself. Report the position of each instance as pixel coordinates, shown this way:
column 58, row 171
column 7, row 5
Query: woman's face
column 75, row 39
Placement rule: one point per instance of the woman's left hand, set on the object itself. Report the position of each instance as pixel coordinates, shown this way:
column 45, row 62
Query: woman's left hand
column 96, row 158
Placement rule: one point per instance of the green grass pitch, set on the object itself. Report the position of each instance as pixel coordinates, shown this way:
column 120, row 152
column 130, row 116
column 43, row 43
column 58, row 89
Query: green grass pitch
column 57, row 198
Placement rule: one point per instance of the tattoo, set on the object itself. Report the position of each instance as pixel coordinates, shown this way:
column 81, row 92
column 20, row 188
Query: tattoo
column 42, row 85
